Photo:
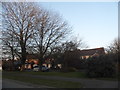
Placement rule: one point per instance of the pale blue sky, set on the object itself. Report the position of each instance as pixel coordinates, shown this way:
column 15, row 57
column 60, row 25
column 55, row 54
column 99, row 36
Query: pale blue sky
column 95, row 22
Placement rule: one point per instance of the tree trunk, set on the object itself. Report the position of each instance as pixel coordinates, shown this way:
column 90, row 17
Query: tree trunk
column 41, row 60
column 41, row 63
column 23, row 58
column 12, row 51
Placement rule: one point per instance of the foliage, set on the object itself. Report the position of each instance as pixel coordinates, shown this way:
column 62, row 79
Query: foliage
column 66, row 53
column 103, row 66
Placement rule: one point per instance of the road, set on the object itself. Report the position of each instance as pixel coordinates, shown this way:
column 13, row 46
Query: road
column 7, row 83
column 14, row 84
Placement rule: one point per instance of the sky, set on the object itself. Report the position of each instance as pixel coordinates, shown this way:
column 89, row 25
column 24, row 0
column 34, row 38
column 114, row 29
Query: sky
column 94, row 22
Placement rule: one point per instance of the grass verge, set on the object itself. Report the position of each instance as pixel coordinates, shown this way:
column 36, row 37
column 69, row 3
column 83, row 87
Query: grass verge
column 61, row 74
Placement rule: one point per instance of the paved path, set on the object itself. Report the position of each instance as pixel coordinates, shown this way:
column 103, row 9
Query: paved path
column 87, row 83
column 7, row 83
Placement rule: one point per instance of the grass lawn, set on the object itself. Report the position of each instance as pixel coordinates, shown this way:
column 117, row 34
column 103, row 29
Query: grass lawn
column 46, row 82
column 61, row 74
column 67, row 74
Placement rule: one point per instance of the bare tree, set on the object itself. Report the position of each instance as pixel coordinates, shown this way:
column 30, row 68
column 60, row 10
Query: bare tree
column 18, row 20
column 8, row 44
column 115, row 46
column 50, row 31
column 74, row 44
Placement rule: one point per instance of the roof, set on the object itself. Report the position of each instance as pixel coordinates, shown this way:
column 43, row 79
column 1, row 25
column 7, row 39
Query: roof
column 88, row 52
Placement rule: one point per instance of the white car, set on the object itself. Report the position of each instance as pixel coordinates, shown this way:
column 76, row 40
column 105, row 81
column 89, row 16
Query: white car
column 35, row 67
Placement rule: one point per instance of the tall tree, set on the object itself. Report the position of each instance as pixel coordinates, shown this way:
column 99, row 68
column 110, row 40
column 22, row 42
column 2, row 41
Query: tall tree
column 18, row 20
column 50, row 31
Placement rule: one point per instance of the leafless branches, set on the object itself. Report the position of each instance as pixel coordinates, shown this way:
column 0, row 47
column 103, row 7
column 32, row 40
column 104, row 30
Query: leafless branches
column 115, row 46
column 18, row 21
column 27, row 25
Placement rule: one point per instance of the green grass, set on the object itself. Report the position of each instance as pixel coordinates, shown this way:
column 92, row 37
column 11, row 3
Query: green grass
column 46, row 82
column 61, row 74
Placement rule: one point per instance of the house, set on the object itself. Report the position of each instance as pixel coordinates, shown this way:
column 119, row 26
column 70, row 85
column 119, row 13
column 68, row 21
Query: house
column 84, row 54
column 31, row 59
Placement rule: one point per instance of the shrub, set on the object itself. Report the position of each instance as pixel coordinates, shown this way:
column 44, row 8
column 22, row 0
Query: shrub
column 72, row 69
column 103, row 66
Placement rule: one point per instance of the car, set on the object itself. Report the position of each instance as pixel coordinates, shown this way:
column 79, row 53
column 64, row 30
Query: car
column 36, row 67
column 45, row 69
